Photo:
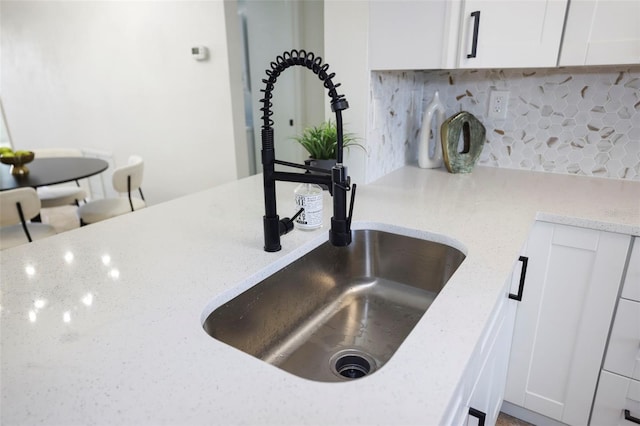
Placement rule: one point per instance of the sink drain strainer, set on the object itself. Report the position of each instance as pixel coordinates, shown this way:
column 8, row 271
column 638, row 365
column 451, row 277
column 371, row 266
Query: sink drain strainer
column 352, row 364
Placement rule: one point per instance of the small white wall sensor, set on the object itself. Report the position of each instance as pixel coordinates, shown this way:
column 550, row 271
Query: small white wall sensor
column 200, row 53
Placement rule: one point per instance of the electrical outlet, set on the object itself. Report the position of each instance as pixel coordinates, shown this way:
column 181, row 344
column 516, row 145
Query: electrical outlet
column 498, row 101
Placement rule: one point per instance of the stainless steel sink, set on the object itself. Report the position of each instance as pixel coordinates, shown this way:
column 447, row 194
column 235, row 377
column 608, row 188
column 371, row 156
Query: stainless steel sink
column 338, row 313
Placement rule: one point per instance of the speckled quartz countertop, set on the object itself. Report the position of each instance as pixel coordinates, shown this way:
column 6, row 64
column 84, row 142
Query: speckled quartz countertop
column 102, row 325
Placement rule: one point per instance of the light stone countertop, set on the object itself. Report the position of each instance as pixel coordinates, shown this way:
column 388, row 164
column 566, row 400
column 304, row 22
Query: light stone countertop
column 102, row 325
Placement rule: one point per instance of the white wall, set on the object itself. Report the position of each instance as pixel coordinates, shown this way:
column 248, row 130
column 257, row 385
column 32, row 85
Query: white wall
column 270, row 32
column 119, row 76
column 234, row 57
column 346, row 26
column 312, row 40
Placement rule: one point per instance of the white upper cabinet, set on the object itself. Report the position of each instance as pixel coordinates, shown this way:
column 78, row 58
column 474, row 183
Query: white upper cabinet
column 602, row 32
column 443, row 34
column 408, row 34
column 510, row 34
column 436, row 34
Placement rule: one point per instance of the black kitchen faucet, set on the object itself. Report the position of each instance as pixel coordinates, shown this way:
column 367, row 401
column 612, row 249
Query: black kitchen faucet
column 336, row 179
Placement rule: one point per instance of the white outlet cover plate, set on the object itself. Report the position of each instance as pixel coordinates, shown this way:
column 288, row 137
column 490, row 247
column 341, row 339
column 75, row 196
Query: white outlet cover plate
column 498, row 103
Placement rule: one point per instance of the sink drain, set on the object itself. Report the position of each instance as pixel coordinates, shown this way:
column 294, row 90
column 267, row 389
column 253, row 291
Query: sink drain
column 352, row 364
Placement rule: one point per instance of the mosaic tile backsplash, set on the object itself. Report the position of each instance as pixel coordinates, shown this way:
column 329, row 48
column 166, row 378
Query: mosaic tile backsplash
column 583, row 120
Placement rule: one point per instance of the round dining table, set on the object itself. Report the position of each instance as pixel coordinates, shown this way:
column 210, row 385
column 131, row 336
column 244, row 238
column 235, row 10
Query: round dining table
column 50, row 171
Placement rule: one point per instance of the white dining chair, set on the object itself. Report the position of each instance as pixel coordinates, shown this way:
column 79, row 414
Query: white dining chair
column 99, row 186
column 126, row 180
column 17, row 207
column 62, row 194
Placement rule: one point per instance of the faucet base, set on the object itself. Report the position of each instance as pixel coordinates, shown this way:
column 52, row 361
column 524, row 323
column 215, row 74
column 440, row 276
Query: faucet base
column 274, row 227
column 271, row 233
column 339, row 234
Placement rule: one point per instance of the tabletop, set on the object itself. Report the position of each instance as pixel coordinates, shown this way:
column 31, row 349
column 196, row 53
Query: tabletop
column 50, row 171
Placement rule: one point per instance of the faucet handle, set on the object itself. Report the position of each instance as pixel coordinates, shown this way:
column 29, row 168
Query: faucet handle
column 353, row 200
column 286, row 225
column 347, row 184
column 295, row 216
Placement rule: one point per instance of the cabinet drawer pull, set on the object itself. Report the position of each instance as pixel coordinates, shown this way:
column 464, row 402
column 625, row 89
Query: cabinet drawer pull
column 476, row 26
column 477, row 414
column 523, row 274
column 628, row 416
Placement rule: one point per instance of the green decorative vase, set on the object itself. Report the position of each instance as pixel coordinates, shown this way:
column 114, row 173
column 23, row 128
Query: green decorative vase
column 466, row 126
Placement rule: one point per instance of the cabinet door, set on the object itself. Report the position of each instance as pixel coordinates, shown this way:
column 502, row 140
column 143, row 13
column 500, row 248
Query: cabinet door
column 631, row 288
column 457, row 410
column 601, row 32
column 524, row 33
column 573, row 278
column 623, row 353
column 488, row 392
column 481, row 390
column 616, row 394
column 408, row 34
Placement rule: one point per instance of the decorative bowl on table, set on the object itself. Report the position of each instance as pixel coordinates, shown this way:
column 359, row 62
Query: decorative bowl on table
column 18, row 161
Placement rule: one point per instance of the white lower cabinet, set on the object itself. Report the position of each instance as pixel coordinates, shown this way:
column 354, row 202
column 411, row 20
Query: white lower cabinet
column 480, row 393
column 487, row 393
column 617, row 402
column 618, row 399
column 631, row 289
column 623, row 352
column 563, row 321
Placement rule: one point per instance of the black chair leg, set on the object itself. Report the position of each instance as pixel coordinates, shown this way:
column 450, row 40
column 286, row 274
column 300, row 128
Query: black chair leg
column 24, row 222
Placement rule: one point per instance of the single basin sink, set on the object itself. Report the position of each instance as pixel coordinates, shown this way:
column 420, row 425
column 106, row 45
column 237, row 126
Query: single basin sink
column 338, row 313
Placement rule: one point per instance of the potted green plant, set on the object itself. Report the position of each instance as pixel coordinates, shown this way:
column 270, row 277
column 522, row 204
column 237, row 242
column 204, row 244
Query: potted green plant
column 321, row 142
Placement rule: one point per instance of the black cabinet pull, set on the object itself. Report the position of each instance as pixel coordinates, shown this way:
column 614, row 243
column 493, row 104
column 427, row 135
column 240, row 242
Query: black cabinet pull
column 476, row 27
column 523, row 274
column 628, row 416
column 477, row 414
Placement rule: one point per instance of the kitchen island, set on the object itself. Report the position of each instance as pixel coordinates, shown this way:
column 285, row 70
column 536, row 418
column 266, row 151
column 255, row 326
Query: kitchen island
column 103, row 325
